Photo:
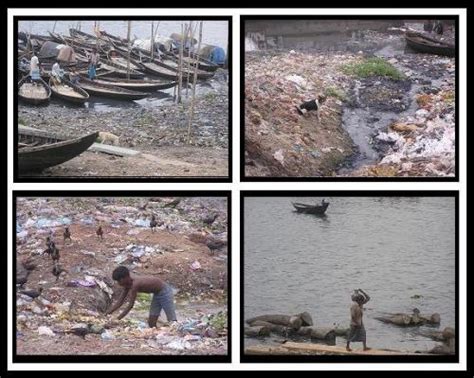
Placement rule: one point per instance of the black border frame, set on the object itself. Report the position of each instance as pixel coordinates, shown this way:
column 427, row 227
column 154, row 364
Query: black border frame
column 25, row 178
column 247, row 358
column 125, row 358
column 244, row 178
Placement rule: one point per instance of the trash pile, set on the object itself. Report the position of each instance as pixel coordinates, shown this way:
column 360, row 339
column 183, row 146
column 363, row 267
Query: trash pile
column 281, row 142
column 278, row 140
column 73, row 302
column 422, row 144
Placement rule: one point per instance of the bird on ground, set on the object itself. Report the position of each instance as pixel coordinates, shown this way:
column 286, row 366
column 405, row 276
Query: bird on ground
column 57, row 270
column 80, row 330
column 32, row 293
column 22, row 279
column 215, row 245
column 54, row 252
column 210, row 219
column 99, row 232
column 153, row 223
column 67, row 234
column 49, row 243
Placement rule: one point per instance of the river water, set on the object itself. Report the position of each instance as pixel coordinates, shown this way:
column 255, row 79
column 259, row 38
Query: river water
column 214, row 33
column 394, row 248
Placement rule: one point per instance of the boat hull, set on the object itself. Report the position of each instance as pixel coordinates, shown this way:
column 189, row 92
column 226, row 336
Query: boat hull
column 308, row 209
column 34, row 159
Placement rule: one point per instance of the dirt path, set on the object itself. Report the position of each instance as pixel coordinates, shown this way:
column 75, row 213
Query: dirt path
column 163, row 162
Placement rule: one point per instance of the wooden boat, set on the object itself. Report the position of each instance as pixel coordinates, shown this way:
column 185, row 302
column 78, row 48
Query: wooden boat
column 311, row 209
column 110, row 91
column 158, row 70
column 39, row 150
column 121, row 61
column 119, row 71
column 203, row 64
column 140, row 85
column 55, row 37
column 34, row 94
column 79, row 33
column 68, row 91
column 424, row 44
column 143, row 56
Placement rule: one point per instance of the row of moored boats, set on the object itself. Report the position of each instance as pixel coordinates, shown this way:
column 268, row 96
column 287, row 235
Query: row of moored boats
column 120, row 74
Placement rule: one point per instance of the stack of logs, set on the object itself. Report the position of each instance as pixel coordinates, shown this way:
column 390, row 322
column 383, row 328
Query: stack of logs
column 291, row 326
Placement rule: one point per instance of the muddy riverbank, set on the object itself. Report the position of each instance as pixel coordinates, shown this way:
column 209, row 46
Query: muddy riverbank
column 390, row 111
column 154, row 126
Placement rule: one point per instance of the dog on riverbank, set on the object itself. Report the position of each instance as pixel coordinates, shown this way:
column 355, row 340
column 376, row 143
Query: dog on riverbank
column 108, row 138
column 312, row 105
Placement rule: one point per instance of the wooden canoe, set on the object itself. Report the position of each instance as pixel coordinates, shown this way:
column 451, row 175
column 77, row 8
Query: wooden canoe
column 120, row 60
column 158, row 70
column 203, row 64
column 135, row 84
column 68, row 91
column 167, row 61
column 311, row 209
column 48, row 150
column 427, row 45
column 79, row 33
column 34, row 94
column 110, row 91
column 120, row 71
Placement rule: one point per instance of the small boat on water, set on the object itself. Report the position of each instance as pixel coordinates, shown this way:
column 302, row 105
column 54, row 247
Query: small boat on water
column 38, row 150
column 311, row 209
column 68, row 91
column 110, row 91
column 136, row 84
column 425, row 44
column 34, row 93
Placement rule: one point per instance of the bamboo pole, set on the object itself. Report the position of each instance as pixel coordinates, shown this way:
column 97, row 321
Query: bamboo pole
column 97, row 33
column 152, row 41
column 128, row 41
column 180, row 66
column 188, row 65
column 191, row 110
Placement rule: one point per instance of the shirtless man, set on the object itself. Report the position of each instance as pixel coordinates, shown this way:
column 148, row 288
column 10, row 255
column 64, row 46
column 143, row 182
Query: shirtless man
column 357, row 331
column 162, row 295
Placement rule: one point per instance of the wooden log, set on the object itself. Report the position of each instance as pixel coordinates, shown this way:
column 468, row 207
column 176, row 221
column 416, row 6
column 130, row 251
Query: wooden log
column 406, row 320
column 445, row 335
column 306, row 318
column 275, row 328
column 260, row 331
column 341, row 332
column 326, row 335
column 291, row 348
column 294, row 321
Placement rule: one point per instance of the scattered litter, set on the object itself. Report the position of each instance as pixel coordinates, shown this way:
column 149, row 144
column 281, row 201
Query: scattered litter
column 107, row 336
column 84, row 283
column 45, row 331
